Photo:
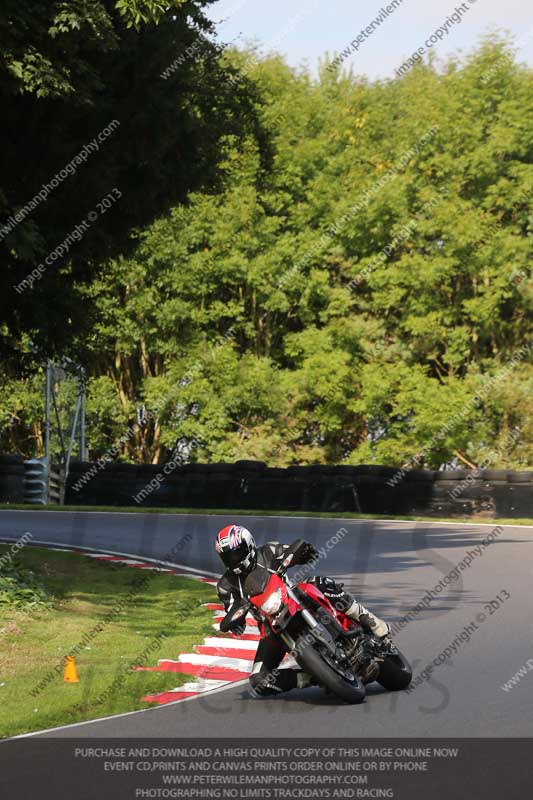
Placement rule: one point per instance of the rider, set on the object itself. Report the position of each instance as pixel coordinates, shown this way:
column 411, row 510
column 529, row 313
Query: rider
column 237, row 549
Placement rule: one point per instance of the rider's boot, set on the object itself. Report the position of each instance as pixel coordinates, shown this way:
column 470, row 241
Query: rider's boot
column 368, row 621
column 304, row 680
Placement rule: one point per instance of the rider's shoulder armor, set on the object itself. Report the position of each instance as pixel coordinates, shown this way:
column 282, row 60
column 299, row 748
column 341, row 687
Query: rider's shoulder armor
column 226, row 585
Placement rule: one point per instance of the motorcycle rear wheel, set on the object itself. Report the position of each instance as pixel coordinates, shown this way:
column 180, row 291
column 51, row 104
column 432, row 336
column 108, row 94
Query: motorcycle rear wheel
column 395, row 673
column 311, row 661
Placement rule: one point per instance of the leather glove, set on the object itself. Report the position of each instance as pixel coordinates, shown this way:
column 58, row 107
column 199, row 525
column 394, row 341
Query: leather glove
column 307, row 553
column 238, row 629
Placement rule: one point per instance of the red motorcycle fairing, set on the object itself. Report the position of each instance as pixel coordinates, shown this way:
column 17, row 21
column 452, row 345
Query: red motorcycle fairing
column 311, row 590
column 275, row 584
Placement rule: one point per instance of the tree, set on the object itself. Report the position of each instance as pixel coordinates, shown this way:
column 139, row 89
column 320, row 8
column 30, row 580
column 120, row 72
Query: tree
column 364, row 298
column 112, row 81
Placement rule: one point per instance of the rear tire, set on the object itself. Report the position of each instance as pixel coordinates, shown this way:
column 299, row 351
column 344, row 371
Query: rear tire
column 395, row 673
column 311, row 661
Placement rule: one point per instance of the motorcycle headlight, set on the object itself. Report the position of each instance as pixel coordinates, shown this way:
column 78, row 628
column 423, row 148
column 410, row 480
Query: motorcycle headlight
column 273, row 603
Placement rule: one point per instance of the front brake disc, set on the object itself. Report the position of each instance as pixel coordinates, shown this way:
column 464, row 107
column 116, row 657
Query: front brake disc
column 347, row 674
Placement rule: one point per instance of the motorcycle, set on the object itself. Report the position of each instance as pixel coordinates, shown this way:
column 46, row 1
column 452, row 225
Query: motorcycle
column 334, row 649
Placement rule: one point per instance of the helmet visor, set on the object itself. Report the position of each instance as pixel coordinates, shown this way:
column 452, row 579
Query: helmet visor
column 234, row 558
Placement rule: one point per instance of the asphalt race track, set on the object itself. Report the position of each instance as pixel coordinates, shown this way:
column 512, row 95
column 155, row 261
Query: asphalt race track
column 390, row 566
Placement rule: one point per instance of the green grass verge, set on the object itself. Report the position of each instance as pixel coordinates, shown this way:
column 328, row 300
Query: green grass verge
column 141, row 606
column 228, row 512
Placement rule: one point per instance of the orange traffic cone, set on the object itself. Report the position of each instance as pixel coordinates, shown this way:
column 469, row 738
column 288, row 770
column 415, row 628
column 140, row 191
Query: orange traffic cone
column 71, row 673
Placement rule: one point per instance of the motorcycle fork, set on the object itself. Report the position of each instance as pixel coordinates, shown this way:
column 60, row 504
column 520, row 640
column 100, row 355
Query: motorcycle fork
column 288, row 641
column 297, row 630
column 313, row 632
column 317, row 630
column 284, row 635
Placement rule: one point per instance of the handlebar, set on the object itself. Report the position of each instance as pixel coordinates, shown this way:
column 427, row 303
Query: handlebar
column 289, row 557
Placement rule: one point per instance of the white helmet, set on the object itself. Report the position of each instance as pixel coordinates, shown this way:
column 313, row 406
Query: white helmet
column 236, row 547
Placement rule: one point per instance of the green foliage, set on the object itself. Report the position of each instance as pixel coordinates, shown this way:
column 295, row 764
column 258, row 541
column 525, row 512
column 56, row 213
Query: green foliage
column 20, row 589
column 110, row 618
column 100, row 96
column 346, row 302
column 21, row 413
column 137, row 12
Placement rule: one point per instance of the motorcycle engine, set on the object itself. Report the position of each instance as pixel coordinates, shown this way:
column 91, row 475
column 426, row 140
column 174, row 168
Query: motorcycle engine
column 363, row 659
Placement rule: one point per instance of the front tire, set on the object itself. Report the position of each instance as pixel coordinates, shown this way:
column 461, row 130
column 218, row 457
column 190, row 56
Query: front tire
column 311, row 661
column 395, row 673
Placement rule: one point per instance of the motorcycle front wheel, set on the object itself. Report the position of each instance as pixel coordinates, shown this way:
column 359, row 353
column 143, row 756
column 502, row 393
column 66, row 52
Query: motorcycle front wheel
column 351, row 690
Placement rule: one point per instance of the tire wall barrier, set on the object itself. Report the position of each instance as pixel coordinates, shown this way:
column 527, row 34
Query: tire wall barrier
column 11, row 479
column 254, row 486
